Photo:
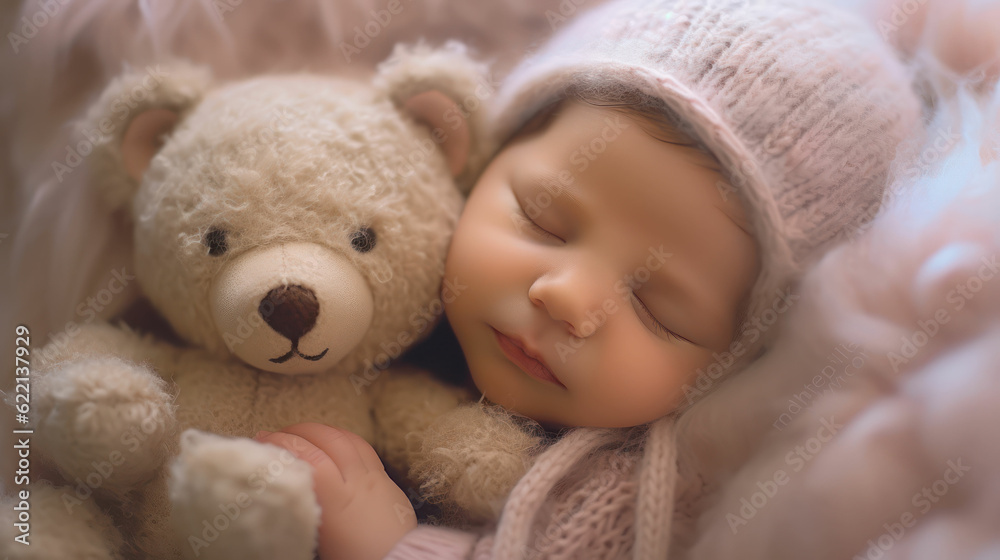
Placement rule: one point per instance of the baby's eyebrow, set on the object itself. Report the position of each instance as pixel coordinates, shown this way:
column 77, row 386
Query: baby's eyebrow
column 552, row 180
column 564, row 196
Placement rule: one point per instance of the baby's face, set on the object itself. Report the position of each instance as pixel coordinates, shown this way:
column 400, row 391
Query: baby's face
column 596, row 269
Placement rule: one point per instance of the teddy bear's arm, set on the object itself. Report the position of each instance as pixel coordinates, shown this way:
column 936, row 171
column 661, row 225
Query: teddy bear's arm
column 464, row 456
column 98, row 407
column 103, row 339
column 470, row 459
column 405, row 401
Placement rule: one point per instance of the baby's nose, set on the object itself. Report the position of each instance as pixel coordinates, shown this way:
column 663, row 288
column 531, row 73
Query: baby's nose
column 580, row 303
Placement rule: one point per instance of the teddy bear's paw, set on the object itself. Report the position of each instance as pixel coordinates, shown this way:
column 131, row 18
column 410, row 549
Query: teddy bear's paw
column 237, row 498
column 58, row 524
column 103, row 421
column 471, row 458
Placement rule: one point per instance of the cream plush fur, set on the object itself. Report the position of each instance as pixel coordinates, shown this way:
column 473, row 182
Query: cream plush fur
column 291, row 168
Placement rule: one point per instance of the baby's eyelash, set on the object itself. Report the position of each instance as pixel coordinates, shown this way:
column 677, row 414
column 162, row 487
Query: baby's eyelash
column 538, row 229
column 658, row 326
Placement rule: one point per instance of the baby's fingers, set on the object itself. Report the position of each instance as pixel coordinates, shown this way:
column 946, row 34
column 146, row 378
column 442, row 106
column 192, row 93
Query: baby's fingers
column 328, row 481
column 352, row 454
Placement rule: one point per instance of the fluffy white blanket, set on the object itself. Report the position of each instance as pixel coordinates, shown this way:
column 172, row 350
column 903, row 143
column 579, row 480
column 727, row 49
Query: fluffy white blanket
column 870, row 431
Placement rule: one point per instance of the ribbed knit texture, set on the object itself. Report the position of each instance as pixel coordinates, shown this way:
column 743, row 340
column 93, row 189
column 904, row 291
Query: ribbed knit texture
column 514, row 532
column 657, row 482
column 426, row 542
column 591, row 518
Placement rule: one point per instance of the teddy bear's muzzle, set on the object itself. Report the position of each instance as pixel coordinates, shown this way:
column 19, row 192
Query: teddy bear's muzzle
column 292, row 308
column 291, row 311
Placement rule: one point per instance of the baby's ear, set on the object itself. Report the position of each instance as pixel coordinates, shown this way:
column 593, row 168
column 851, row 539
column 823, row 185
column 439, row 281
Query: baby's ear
column 448, row 92
column 133, row 118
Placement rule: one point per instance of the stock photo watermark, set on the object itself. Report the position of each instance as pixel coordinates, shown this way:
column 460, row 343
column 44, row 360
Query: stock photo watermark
column 21, row 398
column 900, row 14
column 845, row 361
column 944, row 141
column 753, row 329
column 928, row 328
column 102, row 470
column 795, row 460
column 29, row 25
column 420, row 320
column 624, row 287
column 364, row 34
column 922, row 502
column 89, row 311
column 225, row 7
column 563, row 13
column 229, row 512
column 121, row 108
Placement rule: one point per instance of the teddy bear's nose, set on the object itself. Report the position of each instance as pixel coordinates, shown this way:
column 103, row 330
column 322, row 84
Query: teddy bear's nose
column 290, row 310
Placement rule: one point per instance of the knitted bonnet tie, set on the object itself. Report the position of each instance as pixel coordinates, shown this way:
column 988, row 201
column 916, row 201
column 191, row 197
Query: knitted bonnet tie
column 802, row 103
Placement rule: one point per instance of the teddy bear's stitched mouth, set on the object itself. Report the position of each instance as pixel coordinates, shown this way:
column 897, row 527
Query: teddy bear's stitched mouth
column 295, row 351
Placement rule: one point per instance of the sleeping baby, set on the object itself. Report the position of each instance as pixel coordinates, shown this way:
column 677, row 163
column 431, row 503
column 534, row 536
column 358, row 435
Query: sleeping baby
column 667, row 170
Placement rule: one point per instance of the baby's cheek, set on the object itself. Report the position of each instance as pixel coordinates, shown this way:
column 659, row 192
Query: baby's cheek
column 636, row 379
column 477, row 248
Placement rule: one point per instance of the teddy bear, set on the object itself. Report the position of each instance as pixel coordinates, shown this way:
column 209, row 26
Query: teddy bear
column 291, row 230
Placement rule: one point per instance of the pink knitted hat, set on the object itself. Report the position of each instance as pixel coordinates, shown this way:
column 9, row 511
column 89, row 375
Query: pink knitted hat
column 803, row 105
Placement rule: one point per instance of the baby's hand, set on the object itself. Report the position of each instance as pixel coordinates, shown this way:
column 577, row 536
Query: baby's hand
column 364, row 514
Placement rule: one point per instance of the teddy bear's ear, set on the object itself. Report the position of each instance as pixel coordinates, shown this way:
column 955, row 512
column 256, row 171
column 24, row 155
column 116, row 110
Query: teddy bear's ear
column 131, row 120
column 449, row 92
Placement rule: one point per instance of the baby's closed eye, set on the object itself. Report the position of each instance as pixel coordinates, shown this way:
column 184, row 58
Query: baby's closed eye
column 652, row 323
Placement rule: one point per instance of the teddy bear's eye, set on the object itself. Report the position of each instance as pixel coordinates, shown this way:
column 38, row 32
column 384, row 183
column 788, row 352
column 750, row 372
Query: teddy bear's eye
column 215, row 240
column 363, row 240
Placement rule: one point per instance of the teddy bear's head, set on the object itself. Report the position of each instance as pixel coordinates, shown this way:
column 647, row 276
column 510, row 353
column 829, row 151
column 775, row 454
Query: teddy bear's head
column 300, row 222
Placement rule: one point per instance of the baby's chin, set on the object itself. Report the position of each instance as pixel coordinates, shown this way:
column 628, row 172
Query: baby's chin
column 552, row 428
column 513, row 405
